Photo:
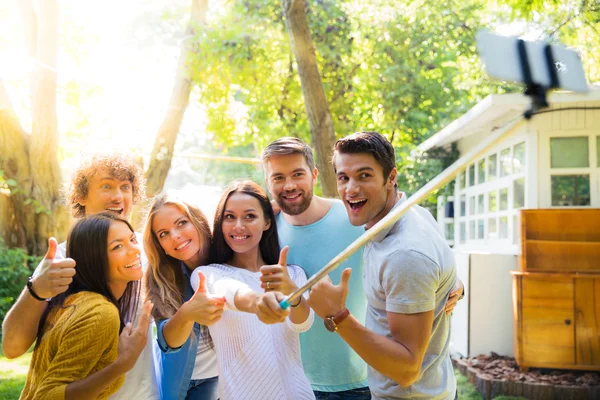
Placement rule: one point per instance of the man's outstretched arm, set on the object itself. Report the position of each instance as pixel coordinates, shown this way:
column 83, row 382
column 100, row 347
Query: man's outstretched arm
column 51, row 277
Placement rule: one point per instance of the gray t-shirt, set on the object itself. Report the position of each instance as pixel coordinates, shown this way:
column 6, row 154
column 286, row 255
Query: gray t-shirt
column 409, row 268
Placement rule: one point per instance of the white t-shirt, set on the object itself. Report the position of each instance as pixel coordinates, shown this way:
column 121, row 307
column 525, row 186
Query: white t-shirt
column 140, row 382
column 256, row 361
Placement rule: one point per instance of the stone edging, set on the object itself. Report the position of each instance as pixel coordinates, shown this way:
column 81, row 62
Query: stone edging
column 491, row 388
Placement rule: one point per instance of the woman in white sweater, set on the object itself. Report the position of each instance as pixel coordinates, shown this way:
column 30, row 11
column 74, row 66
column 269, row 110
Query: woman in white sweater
column 258, row 357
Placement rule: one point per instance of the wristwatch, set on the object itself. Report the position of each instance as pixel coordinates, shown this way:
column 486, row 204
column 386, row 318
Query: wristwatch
column 332, row 322
column 32, row 292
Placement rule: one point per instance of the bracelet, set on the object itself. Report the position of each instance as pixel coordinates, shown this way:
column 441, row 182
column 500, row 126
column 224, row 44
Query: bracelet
column 31, row 291
column 296, row 305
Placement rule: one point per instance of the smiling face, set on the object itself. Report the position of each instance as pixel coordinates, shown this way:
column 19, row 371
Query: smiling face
column 243, row 223
column 124, row 264
column 362, row 187
column 107, row 193
column 176, row 234
column 291, row 182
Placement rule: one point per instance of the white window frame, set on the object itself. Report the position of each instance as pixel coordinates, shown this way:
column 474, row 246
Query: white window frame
column 545, row 170
column 510, row 244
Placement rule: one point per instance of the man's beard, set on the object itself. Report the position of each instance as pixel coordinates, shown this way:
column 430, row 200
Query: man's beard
column 298, row 208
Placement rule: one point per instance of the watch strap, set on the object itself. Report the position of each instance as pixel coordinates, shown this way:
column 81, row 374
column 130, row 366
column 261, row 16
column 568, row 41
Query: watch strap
column 32, row 292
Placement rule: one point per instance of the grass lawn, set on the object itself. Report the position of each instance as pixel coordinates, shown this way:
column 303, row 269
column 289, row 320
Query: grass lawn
column 14, row 372
column 12, row 376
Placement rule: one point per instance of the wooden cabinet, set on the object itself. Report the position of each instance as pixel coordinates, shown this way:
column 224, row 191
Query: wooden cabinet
column 556, row 295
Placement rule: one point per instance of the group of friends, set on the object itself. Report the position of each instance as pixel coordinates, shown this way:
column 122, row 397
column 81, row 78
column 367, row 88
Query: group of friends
column 381, row 331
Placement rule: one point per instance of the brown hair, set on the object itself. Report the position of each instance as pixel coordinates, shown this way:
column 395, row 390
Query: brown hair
column 286, row 146
column 120, row 166
column 164, row 280
column 372, row 143
column 220, row 252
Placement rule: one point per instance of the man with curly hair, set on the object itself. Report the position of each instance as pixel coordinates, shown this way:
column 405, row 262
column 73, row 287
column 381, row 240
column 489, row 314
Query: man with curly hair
column 102, row 182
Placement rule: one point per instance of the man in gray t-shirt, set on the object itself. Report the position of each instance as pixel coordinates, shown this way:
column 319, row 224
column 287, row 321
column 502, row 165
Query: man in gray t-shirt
column 408, row 273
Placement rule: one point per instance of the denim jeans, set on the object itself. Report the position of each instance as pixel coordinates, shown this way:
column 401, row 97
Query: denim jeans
column 203, row 389
column 353, row 394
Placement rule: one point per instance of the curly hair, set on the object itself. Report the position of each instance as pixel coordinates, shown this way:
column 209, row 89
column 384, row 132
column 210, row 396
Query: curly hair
column 120, row 166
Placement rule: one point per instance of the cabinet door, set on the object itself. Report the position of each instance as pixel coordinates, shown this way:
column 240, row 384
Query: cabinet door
column 548, row 325
column 587, row 328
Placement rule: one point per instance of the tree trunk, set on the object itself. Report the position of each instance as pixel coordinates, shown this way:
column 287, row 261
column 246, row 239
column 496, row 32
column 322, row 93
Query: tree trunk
column 317, row 107
column 34, row 211
column 164, row 144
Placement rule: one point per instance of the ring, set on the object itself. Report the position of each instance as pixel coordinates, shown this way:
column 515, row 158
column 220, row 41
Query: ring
column 268, row 285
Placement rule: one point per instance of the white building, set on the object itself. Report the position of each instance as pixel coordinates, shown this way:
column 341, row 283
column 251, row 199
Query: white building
column 552, row 160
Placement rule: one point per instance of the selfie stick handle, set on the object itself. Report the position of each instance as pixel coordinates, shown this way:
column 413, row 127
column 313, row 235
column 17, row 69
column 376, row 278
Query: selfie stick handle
column 443, row 178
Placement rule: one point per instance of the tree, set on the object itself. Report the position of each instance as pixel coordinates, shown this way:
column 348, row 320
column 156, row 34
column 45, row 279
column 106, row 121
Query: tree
column 164, row 144
column 30, row 204
column 317, row 107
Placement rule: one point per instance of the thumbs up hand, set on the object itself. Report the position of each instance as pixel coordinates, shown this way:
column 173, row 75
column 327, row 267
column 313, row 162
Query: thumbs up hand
column 276, row 277
column 52, row 277
column 327, row 299
column 204, row 308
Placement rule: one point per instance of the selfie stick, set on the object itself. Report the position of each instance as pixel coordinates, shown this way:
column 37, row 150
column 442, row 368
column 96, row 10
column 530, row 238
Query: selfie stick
column 443, row 178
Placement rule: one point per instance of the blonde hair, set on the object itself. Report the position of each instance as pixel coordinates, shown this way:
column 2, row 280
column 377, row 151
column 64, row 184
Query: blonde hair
column 164, row 280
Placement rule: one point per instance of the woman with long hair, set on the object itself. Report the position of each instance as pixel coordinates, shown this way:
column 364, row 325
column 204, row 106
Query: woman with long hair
column 177, row 240
column 256, row 360
column 78, row 353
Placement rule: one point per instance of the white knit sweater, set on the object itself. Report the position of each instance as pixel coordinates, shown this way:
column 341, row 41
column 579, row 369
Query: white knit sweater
column 256, row 361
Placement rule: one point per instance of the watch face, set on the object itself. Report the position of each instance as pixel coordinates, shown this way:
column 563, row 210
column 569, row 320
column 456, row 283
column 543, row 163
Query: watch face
column 329, row 324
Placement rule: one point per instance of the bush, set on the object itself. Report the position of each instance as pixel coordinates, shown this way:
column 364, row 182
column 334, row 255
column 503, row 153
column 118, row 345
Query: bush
column 15, row 267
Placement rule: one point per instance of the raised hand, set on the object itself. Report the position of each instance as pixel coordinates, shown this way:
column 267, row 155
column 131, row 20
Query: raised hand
column 204, row 308
column 52, row 277
column 268, row 309
column 276, row 277
column 328, row 299
column 133, row 340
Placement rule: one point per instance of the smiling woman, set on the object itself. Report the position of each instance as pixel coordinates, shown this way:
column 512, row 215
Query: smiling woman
column 78, row 334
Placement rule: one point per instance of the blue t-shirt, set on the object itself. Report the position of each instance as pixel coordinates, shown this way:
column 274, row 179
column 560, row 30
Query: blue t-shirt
column 329, row 363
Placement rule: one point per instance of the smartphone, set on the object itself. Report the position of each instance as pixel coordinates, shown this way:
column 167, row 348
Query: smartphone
column 500, row 55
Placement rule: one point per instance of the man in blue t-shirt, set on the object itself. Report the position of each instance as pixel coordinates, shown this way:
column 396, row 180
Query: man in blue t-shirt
column 317, row 229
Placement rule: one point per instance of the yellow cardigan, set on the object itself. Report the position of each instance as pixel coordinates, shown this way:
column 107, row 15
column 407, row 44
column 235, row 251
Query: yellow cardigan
column 80, row 338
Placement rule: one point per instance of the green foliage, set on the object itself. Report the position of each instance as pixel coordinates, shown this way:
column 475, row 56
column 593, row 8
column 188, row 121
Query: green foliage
column 403, row 68
column 15, row 267
column 11, row 187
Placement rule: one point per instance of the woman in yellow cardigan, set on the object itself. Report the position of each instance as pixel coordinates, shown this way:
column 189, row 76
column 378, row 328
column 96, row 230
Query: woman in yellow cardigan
column 78, row 353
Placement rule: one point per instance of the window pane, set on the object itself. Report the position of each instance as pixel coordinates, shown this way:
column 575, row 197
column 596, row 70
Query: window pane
column 492, row 201
column 481, row 171
column 463, row 232
column 504, row 199
column 503, row 232
column 480, row 204
column 471, row 205
column 519, row 157
column 570, row 190
column 463, row 205
column 505, row 163
column 450, row 231
column 471, row 175
column 492, row 167
column 569, row 152
column 480, row 229
column 519, row 193
column 471, row 229
column 460, row 181
column 492, row 227
column 516, row 229
column 598, row 150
